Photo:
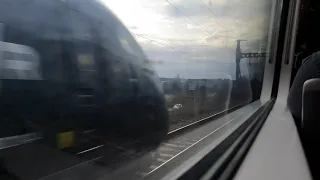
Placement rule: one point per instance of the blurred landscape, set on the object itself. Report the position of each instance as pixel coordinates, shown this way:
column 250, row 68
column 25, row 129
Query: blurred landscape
column 189, row 100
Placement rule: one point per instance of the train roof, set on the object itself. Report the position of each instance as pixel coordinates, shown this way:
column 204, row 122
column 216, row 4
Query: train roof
column 55, row 14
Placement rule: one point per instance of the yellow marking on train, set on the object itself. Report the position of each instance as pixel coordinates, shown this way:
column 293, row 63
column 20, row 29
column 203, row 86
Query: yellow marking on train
column 65, row 139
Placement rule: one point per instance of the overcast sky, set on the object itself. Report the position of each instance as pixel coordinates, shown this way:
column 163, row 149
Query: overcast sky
column 195, row 38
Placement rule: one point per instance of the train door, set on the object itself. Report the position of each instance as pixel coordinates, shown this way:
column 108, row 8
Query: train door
column 83, row 70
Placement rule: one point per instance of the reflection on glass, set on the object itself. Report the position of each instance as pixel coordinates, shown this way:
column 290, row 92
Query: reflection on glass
column 193, row 47
column 104, row 82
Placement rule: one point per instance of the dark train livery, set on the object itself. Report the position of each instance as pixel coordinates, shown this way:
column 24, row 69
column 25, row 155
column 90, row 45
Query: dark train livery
column 71, row 64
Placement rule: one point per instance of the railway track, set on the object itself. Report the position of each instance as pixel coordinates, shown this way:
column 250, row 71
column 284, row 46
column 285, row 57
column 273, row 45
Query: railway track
column 187, row 125
column 114, row 152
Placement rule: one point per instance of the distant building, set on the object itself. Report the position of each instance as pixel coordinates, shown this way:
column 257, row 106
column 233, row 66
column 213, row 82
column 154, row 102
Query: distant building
column 194, row 84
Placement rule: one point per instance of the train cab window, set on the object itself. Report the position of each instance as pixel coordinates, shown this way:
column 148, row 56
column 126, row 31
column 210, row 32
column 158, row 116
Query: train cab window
column 128, row 43
column 80, row 26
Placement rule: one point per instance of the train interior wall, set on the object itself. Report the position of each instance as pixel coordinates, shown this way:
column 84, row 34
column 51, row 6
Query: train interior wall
column 308, row 36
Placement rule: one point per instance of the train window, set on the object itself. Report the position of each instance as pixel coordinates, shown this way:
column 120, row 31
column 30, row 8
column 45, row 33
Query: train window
column 19, row 62
column 109, row 83
column 7, row 55
column 80, row 26
column 85, row 61
column 28, row 57
column 128, row 43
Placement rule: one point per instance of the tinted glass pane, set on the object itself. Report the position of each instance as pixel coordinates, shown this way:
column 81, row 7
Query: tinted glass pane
column 104, row 84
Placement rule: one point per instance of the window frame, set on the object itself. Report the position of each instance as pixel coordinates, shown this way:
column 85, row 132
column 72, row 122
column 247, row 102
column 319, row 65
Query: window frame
column 254, row 118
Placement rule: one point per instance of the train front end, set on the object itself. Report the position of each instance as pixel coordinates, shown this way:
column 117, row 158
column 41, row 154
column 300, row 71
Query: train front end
column 75, row 71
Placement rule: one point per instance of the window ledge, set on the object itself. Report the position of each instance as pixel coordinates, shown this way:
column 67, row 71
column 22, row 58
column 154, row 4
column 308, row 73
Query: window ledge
column 277, row 152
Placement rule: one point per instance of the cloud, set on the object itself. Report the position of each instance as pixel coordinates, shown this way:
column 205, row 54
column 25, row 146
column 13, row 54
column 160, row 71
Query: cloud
column 194, row 31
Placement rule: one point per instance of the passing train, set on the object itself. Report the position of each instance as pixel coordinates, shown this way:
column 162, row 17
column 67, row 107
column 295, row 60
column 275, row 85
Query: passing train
column 72, row 65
